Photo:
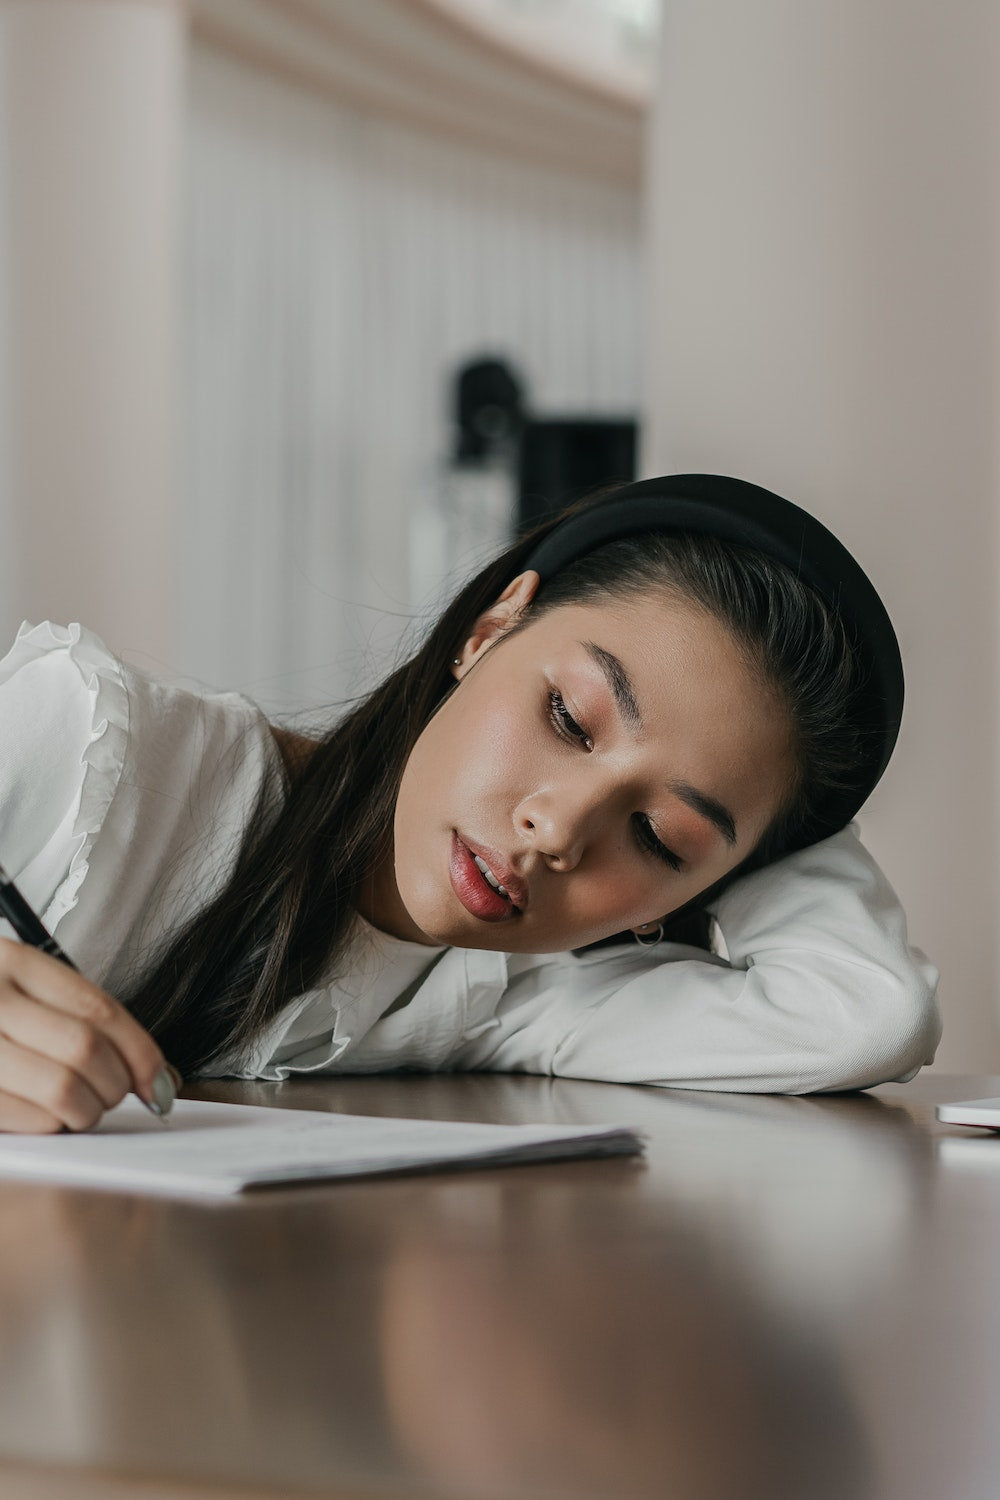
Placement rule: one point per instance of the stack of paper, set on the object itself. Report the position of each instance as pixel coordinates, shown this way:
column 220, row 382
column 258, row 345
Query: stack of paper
column 220, row 1149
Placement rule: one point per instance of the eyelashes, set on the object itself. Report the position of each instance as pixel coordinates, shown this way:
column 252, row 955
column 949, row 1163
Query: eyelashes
column 568, row 729
column 648, row 839
column 564, row 722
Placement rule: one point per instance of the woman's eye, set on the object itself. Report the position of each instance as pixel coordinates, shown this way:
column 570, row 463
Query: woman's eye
column 568, row 729
column 648, row 841
column 564, row 722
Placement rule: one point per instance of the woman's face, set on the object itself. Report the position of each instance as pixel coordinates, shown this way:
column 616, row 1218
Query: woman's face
column 606, row 762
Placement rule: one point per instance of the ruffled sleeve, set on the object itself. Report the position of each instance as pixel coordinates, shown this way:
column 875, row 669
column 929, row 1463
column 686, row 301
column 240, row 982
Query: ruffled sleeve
column 64, row 723
column 123, row 799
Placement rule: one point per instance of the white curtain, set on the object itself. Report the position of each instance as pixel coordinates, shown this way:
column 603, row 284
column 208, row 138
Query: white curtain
column 338, row 269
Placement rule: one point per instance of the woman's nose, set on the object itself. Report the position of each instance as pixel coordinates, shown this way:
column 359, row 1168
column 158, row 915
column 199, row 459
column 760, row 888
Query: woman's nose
column 558, row 829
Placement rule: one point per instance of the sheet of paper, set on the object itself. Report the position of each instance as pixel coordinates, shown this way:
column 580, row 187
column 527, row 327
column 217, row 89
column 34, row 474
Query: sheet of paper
column 220, row 1149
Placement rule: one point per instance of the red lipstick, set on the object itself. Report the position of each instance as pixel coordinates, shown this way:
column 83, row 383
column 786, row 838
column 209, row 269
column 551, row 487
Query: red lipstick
column 473, row 889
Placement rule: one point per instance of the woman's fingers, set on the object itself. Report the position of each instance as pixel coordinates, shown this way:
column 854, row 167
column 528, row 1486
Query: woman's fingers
column 21, row 1117
column 26, row 1078
column 55, row 1034
column 103, row 1038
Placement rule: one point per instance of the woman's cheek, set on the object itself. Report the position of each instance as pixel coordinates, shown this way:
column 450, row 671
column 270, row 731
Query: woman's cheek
column 503, row 749
column 609, row 902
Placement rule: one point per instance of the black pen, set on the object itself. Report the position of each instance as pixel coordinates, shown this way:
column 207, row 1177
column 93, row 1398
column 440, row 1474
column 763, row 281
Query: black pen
column 30, row 929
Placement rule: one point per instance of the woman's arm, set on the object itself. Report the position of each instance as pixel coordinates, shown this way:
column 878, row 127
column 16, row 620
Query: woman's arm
column 822, row 991
column 68, row 1051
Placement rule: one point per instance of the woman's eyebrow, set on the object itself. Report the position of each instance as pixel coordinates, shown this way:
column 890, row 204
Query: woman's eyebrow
column 624, row 695
column 709, row 807
column 618, row 682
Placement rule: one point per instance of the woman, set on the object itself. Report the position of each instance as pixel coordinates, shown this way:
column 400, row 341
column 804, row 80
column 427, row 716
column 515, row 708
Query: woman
column 597, row 826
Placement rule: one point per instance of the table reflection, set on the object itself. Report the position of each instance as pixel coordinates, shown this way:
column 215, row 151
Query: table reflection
column 577, row 1373
column 629, row 1327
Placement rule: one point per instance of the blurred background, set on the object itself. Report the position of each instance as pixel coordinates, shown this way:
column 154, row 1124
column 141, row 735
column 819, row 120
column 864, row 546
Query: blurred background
column 306, row 304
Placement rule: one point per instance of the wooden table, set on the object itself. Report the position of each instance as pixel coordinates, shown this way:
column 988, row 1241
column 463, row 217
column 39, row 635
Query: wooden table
column 787, row 1297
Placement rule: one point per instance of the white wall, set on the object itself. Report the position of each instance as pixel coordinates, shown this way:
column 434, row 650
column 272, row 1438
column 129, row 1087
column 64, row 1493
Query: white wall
column 90, row 95
column 824, row 269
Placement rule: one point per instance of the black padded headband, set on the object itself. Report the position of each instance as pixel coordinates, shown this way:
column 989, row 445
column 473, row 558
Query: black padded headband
column 735, row 511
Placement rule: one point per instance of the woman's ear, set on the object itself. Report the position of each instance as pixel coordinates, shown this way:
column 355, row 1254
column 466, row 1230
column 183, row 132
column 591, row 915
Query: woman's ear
column 496, row 621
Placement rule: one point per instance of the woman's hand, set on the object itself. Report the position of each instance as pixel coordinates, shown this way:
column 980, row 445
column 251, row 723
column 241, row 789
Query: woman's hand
column 68, row 1051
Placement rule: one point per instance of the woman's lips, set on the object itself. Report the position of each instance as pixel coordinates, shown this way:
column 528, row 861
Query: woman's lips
column 473, row 889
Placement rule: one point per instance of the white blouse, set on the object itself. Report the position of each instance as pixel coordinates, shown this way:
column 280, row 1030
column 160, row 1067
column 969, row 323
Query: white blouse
column 123, row 801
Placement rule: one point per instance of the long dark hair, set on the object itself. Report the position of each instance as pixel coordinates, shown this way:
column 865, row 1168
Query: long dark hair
column 283, row 920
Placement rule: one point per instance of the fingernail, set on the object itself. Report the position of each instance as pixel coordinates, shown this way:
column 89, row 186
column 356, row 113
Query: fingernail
column 178, row 1080
column 164, row 1093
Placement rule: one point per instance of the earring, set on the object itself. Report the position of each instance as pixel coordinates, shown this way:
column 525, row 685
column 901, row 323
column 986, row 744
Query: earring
column 648, row 942
column 456, row 661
